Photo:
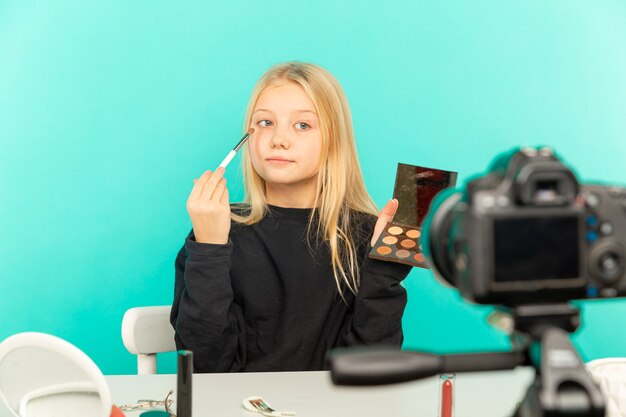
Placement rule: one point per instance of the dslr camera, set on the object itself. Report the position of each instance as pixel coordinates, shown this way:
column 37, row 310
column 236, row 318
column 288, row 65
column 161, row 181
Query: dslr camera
column 528, row 233
column 528, row 237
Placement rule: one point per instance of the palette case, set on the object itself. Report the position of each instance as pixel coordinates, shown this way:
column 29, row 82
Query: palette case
column 415, row 188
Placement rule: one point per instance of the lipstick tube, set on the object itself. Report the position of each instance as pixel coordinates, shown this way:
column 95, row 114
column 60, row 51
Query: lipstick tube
column 446, row 395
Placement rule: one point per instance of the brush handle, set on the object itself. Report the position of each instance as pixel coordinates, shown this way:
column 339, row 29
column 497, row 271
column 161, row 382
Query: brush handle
column 228, row 158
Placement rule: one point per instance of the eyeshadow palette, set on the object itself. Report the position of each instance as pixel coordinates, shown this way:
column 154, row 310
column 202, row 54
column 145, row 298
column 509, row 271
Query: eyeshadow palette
column 399, row 243
column 415, row 188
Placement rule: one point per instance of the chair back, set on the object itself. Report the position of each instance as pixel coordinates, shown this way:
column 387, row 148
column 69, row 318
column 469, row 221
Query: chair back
column 147, row 331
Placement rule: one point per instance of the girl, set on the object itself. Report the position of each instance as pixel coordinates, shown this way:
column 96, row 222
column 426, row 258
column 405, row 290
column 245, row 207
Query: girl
column 273, row 283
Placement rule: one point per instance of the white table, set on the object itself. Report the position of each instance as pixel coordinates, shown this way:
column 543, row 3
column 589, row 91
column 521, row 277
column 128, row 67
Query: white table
column 311, row 394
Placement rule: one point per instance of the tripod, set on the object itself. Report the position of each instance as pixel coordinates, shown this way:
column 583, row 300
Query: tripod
column 562, row 386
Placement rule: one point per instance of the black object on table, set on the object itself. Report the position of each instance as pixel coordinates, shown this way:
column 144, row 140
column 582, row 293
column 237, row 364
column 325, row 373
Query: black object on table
column 183, row 383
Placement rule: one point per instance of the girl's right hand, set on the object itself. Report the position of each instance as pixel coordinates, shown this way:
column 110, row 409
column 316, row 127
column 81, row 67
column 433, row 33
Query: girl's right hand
column 209, row 209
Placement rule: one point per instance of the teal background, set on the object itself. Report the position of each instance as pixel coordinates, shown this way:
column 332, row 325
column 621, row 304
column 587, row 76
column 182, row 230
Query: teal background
column 109, row 110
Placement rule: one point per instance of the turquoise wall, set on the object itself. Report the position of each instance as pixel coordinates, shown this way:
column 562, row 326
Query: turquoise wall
column 109, row 109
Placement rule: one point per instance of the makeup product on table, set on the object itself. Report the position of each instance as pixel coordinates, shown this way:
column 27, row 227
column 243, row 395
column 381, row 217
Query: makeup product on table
column 414, row 189
column 183, row 383
column 446, row 395
column 232, row 153
column 155, row 413
column 257, row 404
column 152, row 405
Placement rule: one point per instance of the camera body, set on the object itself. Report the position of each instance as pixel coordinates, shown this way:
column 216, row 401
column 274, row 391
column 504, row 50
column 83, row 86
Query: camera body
column 529, row 233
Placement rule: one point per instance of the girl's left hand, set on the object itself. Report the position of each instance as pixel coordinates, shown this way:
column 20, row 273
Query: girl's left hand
column 384, row 217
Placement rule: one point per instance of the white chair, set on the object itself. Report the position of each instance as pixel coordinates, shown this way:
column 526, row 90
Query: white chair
column 147, row 331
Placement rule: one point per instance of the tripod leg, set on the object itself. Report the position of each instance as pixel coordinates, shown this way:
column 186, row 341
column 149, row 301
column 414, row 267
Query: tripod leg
column 529, row 406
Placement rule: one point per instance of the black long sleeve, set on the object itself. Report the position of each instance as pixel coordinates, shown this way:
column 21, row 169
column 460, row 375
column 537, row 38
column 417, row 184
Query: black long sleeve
column 205, row 317
column 268, row 301
column 378, row 306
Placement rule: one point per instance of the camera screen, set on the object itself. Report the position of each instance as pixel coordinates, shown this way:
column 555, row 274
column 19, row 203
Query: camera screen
column 536, row 248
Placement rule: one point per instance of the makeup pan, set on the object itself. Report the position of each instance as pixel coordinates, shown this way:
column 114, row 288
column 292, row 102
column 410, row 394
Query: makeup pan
column 415, row 188
column 399, row 243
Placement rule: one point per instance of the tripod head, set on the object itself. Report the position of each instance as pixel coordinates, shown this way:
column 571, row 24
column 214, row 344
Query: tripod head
column 562, row 386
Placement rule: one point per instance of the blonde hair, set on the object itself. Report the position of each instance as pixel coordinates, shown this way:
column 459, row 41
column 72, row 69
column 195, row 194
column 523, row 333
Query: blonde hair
column 340, row 186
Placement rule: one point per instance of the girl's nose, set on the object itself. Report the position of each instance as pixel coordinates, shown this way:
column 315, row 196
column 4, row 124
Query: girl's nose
column 279, row 139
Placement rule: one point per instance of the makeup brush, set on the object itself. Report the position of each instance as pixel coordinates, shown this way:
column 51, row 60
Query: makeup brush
column 232, row 153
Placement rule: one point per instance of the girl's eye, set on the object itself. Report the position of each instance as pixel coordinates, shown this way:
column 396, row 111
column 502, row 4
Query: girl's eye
column 264, row 123
column 302, row 126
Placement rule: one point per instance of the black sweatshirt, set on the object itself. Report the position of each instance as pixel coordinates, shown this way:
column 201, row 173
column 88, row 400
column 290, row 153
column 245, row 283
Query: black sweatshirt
column 267, row 300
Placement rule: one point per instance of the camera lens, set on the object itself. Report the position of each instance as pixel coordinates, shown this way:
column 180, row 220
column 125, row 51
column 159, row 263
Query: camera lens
column 441, row 240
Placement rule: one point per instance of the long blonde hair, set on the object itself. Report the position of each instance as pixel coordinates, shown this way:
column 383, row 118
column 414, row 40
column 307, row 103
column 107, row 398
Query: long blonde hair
column 340, row 186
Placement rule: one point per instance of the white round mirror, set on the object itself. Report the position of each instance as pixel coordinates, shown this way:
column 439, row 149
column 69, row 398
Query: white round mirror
column 45, row 376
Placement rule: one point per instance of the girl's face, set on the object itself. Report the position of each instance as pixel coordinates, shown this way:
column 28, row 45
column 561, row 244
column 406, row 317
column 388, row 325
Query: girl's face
column 287, row 143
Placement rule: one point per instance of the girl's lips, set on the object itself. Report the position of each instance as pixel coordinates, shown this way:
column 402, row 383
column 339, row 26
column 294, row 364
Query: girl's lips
column 279, row 161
